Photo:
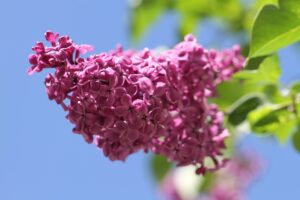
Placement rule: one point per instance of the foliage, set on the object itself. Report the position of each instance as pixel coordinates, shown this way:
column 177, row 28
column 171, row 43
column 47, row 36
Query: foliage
column 160, row 166
column 267, row 36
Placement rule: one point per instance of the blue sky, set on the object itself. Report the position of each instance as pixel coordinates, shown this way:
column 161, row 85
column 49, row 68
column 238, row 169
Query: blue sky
column 39, row 156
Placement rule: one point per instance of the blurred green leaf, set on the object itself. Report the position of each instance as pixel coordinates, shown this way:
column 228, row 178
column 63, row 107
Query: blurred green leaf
column 274, row 95
column 251, row 13
column 260, row 3
column 296, row 139
column 231, row 91
column 196, row 7
column 227, row 9
column 268, row 71
column 266, row 76
column 240, row 111
column 207, row 183
column 160, row 167
column 275, row 28
column 188, row 24
column 144, row 14
column 247, row 82
column 295, row 88
column 254, row 63
column 284, row 131
column 269, row 118
column 298, row 110
column 192, row 11
column 231, row 12
column 290, row 5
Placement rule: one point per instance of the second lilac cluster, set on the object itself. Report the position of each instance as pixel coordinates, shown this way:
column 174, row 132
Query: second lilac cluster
column 229, row 183
column 126, row 101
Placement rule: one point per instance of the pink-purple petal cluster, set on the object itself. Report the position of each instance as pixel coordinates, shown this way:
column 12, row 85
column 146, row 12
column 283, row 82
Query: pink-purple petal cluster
column 126, row 101
column 232, row 182
column 229, row 183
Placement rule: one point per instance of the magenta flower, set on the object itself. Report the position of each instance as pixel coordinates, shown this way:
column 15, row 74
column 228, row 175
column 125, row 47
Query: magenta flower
column 229, row 183
column 232, row 182
column 126, row 101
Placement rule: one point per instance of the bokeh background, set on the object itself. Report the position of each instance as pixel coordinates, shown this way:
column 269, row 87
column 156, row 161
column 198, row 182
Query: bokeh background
column 39, row 156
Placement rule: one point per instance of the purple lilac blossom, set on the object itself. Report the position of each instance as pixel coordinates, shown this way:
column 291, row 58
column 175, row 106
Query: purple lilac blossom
column 229, row 183
column 126, row 101
column 232, row 182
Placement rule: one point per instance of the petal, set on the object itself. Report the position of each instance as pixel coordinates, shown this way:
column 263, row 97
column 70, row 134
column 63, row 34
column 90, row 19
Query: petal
column 39, row 48
column 139, row 106
column 132, row 90
column 126, row 100
column 173, row 95
column 33, row 59
column 110, row 101
column 132, row 134
column 84, row 48
column 87, row 137
column 134, row 78
column 109, row 121
column 121, row 111
column 31, row 70
column 160, row 89
column 51, row 37
column 120, row 126
column 103, row 91
column 146, row 85
column 113, row 81
column 119, row 91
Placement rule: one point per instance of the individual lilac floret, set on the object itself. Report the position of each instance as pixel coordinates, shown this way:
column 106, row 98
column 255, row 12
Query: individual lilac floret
column 126, row 101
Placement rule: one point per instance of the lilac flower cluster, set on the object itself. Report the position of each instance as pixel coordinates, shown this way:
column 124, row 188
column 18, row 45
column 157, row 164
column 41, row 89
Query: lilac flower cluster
column 126, row 101
column 232, row 182
column 229, row 183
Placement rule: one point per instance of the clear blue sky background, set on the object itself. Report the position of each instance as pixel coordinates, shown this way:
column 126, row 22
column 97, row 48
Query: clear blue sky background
column 40, row 159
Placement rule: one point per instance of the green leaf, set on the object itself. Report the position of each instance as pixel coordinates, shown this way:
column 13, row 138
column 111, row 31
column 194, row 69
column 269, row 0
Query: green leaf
column 295, row 88
column 265, row 78
column 269, row 71
column 144, row 14
column 274, row 95
column 188, row 24
column 226, row 9
column 249, row 82
column 298, row 110
column 254, row 63
column 240, row 111
column 296, row 139
column 207, row 183
column 229, row 10
column 284, row 131
column 275, row 28
column 260, row 3
column 231, row 91
column 251, row 13
column 290, row 5
column 269, row 118
column 196, row 7
column 160, row 167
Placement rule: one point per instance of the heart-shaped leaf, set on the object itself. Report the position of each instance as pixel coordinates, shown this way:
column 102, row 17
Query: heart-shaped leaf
column 275, row 27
